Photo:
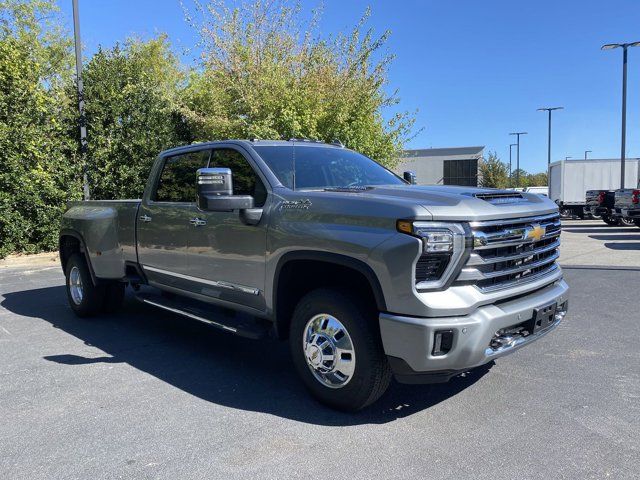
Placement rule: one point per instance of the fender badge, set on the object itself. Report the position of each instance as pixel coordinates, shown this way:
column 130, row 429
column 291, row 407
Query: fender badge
column 295, row 204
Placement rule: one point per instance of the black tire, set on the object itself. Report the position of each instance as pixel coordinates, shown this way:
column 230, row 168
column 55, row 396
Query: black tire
column 371, row 375
column 566, row 213
column 90, row 301
column 113, row 296
column 611, row 221
column 626, row 222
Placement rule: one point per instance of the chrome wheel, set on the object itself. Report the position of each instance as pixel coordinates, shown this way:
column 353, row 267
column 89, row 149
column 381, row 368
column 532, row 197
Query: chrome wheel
column 75, row 285
column 329, row 351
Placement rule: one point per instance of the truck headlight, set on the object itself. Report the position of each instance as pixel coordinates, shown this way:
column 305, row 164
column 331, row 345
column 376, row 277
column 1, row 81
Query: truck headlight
column 442, row 247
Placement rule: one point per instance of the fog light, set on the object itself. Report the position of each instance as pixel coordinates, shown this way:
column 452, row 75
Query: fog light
column 561, row 311
column 442, row 342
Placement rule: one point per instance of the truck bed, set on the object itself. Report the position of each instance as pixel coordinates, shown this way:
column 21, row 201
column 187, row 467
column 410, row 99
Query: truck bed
column 108, row 228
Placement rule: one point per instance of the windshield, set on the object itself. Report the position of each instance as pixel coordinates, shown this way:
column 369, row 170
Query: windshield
column 324, row 167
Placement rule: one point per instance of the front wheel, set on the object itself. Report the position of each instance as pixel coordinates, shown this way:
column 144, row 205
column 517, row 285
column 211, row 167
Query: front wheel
column 336, row 349
column 627, row 222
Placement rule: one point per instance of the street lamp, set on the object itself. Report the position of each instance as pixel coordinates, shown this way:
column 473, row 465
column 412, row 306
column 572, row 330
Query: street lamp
column 549, row 109
column 510, row 150
column 81, row 117
column 518, row 156
column 585, row 153
column 624, row 46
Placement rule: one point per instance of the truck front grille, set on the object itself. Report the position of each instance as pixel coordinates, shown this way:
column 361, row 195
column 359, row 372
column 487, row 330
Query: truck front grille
column 509, row 252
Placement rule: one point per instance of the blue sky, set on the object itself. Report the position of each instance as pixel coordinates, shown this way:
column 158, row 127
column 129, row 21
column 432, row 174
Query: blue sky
column 475, row 70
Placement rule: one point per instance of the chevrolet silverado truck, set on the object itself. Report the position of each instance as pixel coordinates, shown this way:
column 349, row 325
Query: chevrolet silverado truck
column 601, row 204
column 367, row 275
column 627, row 204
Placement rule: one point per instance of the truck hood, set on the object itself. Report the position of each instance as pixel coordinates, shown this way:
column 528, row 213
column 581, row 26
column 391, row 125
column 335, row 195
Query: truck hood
column 456, row 203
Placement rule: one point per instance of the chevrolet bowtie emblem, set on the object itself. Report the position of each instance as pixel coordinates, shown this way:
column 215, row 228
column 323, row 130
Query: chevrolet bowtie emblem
column 534, row 232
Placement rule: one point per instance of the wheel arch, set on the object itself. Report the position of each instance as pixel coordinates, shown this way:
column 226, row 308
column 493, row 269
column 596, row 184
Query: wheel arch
column 299, row 272
column 70, row 242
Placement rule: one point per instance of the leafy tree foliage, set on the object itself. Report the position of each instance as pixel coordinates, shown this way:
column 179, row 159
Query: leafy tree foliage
column 493, row 172
column 130, row 93
column 265, row 76
column 37, row 169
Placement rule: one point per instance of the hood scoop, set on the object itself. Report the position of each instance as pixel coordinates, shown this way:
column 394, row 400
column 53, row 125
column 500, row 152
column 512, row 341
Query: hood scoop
column 498, row 198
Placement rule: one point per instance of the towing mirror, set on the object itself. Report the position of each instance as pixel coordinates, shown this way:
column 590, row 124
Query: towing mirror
column 410, row 177
column 215, row 191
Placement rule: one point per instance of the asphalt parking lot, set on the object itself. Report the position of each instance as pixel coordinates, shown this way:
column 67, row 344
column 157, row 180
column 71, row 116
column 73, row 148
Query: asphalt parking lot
column 145, row 394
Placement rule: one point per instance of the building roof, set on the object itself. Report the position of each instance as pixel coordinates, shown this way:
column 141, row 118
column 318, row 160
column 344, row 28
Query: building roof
column 444, row 152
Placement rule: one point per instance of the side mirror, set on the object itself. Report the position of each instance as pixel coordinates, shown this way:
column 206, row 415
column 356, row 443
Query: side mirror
column 214, row 188
column 410, row 177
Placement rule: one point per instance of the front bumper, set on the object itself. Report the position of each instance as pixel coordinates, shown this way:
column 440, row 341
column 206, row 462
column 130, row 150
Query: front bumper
column 628, row 212
column 409, row 341
column 599, row 211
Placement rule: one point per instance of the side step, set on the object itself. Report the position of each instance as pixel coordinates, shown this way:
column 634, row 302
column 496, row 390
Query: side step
column 238, row 323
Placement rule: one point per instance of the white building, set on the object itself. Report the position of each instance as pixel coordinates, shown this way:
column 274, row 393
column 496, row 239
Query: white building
column 442, row 166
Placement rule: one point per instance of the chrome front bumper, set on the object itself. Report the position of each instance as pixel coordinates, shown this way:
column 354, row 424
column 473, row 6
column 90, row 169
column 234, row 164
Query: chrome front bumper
column 409, row 341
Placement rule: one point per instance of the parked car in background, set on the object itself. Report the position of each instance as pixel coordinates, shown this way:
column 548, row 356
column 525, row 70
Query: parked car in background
column 601, row 204
column 569, row 180
column 627, row 204
column 538, row 190
column 365, row 274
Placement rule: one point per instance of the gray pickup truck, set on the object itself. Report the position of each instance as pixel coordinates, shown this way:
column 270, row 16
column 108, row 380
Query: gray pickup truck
column 366, row 274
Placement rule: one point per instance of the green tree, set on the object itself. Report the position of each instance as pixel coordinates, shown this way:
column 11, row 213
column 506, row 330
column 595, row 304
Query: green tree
column 130, row 93
column 537, row 179
column 524, row 178
column 265, row 73
column 493, row 172
column 37, row 168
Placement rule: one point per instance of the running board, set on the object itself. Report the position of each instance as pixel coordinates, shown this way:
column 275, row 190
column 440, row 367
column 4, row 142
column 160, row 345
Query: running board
column 238, row 323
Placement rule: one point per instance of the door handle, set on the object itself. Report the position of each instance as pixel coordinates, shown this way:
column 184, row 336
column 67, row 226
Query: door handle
column 145, row 218
column 197, row 222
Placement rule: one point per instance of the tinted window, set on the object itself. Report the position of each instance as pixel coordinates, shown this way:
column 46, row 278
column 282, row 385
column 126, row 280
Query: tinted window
column 178, row 179
column 323, row 167
column 245, row 180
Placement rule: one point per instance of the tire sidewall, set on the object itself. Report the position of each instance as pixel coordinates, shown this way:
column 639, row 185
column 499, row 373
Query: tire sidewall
column 92, row 295
column 370, row 359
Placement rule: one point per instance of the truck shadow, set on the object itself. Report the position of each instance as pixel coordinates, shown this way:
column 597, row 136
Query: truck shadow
column 213, row 365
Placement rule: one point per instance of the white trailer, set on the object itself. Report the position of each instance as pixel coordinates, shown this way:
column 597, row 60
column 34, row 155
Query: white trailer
column 569, row 180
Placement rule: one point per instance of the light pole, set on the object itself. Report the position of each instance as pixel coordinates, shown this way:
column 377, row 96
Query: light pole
column 517, row 134
column 510, row 150
column 567, row 158
column 585, row 153
column 81, row 118
column 549, row 109
column 624, row 46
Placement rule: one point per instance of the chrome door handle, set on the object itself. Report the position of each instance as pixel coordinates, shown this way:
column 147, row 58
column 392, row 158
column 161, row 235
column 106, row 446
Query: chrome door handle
column 197, row 222
column 145, row 218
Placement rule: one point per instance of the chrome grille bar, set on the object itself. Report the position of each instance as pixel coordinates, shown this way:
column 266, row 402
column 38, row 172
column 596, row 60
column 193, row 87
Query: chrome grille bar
column 475, row 274
column 509, row 252
column 476, row 259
